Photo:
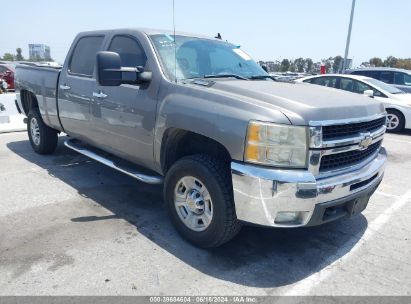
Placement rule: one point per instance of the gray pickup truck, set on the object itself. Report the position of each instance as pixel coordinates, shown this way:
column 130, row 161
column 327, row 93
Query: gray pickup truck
column 230, row 144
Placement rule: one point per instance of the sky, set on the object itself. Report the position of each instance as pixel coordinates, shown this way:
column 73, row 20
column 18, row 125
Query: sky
column 265, row 29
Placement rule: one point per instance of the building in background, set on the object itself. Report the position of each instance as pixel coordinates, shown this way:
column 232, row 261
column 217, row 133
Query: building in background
column 39, row 52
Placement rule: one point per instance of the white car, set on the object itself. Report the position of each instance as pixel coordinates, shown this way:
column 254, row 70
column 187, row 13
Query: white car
column 397, row 102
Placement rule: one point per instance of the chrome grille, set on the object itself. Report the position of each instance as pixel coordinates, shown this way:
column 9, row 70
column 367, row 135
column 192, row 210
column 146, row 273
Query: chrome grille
column 347, row 130
column 345, row 159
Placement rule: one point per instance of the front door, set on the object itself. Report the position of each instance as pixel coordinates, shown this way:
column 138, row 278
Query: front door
column 125, row 115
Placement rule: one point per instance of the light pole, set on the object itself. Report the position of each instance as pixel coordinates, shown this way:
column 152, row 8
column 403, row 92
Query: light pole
column 347, row 46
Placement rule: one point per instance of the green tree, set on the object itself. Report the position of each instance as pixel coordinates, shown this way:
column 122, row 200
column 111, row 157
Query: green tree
column 8, row 57
column 377, row 62
column 337, row 63
column 328, row 63
column 19, row 56
column 309, row 64
column 285, row 65
column 404, row 64
column 299, row 64
column 391, row 61
column 292, row 66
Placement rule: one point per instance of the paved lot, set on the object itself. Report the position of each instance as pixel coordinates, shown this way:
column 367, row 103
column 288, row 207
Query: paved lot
column 71, row 226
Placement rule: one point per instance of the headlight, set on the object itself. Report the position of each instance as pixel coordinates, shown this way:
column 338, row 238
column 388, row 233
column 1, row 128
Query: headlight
column 276, row 145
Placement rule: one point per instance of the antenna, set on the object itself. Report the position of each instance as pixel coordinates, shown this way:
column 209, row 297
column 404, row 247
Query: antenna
column 175, row 43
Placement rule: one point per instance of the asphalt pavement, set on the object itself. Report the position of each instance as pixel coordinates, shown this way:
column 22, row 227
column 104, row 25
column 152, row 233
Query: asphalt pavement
column 71, row 226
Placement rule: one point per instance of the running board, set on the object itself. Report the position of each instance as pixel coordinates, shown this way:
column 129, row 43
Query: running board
column 78, row 147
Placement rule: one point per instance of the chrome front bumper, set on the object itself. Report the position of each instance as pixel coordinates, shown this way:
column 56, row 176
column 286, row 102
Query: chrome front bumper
column 262, row 194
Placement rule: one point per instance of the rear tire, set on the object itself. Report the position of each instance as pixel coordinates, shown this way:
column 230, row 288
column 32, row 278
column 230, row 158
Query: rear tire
column 395, row 121
column 209, row 200
column 43, row 139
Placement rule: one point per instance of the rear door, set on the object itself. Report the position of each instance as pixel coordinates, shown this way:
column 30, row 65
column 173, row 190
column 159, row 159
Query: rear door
column 125, row 115
column 76, row 86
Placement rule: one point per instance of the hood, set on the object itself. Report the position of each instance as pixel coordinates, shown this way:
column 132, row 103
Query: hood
column 302, row 102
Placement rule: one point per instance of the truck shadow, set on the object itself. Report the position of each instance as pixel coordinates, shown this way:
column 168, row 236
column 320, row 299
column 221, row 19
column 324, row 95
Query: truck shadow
column 257, row 257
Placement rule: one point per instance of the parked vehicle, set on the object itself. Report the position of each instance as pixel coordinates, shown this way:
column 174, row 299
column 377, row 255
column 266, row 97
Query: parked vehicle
column 3, row 86
column 230, row 144
column 397, row 103
column 397, row 77
column 7, row 73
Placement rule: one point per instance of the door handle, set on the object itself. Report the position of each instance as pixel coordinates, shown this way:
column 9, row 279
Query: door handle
column 99, row 94
column 64, row 87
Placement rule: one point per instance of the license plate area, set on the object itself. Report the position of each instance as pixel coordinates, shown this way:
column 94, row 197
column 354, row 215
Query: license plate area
column 349, row 208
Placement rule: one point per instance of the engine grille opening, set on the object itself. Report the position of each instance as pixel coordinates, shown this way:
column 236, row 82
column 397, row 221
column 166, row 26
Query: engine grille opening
column 363, row 183
column 345, row 159
column 339, row 131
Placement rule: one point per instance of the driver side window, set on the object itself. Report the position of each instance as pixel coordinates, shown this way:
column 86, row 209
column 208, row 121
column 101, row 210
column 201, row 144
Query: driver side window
column 130, row 51
column 346, row 84
column 407, row 79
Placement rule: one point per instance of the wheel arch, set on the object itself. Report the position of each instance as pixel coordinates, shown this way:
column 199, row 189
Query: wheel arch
column 178, row 143
column 395, row 109
column 28, row 101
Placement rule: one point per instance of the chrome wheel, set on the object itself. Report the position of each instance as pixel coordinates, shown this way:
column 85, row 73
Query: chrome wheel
column 193, row 203
column 393, row 121
column 35, row 131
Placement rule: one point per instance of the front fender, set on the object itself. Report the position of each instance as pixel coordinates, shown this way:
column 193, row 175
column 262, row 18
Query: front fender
column 221, row 118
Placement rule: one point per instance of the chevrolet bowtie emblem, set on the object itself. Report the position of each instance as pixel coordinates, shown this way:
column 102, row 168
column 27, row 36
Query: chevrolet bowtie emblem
column 365, row 141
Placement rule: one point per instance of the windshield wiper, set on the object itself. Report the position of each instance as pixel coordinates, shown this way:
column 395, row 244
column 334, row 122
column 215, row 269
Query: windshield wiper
column 257, row 77
column 225, row 76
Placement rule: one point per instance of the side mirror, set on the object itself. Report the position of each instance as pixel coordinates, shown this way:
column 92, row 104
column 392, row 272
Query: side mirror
column 265, row 68
column 111, row 73
column 369, row 93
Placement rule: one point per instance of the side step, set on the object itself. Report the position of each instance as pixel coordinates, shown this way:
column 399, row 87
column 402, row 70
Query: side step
column 128, row 169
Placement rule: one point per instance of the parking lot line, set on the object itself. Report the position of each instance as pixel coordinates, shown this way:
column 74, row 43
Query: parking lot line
column 306, row 285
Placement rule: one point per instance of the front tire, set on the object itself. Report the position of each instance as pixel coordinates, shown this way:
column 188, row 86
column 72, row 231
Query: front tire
column 43, row 139
column 395, row 121
column 198, row 195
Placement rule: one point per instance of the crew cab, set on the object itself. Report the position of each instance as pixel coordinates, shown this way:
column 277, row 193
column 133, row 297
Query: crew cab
column 230, row 144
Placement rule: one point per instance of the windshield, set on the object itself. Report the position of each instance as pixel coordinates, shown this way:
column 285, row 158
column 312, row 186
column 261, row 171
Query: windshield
column 383, row 86
column 198, row 58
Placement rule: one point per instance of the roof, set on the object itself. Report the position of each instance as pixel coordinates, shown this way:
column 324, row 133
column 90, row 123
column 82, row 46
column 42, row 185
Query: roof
column 148, row 31
column 379, row 69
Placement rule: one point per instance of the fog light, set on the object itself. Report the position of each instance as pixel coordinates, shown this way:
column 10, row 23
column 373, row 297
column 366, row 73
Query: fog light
column 287, row 217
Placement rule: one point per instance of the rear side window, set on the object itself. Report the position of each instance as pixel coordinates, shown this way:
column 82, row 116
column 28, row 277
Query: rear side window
column 130, row 51
column 387, row 76
column 84, row 55
column 330, row 82
column 319, row 81
column 346, row 84
column 327, row 81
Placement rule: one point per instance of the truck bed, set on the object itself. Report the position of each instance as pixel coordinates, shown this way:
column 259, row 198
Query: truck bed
column 42, row 81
